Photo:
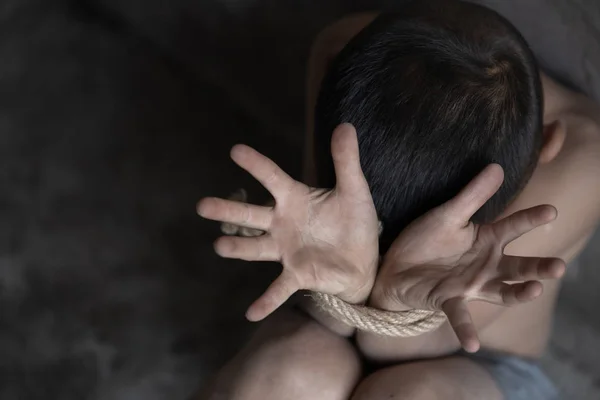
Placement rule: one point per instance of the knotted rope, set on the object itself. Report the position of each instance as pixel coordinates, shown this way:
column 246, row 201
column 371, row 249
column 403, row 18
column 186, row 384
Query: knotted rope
column 387, row 323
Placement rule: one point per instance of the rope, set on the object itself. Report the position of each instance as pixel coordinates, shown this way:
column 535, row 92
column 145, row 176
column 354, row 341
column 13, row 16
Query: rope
column 387, row 323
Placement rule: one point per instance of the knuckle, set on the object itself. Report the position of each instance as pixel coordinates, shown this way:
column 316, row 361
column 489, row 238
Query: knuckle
column 531, row 219
column 245, row 214
column 272, row 177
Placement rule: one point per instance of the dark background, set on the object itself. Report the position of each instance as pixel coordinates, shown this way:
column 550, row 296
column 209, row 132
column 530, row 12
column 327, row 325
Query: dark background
column 116, row 116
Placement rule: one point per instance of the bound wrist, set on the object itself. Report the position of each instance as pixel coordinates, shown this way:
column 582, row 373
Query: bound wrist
column 358, row 297
column 384, row 298
column 361, row 295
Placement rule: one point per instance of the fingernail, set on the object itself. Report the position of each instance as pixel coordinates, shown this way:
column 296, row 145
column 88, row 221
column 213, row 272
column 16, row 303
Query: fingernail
column 238, row 151
column 472, row 347
column 202, row 206
column 223, row 246
column 555, row 268
column 251, row 315
column 550, row 214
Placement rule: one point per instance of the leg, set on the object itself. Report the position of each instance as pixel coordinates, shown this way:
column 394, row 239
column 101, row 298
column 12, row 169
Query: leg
column 448, row 379
column 291, row 357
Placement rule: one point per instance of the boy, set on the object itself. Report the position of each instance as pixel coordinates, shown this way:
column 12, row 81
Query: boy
column 437, row 68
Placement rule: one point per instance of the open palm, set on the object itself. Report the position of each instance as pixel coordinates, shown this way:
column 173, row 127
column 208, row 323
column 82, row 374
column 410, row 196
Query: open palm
column 442, row 261
column 326, row 239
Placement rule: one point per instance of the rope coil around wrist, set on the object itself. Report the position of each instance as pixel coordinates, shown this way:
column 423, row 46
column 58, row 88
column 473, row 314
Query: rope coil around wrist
column 387, row 323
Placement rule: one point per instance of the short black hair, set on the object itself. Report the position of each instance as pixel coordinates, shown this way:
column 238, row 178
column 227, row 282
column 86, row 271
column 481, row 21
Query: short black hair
column 436, row 91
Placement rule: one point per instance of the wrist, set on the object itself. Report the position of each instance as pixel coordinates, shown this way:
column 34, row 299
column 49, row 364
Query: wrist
column 384, row 297
column 360, row 295
column 308, row 305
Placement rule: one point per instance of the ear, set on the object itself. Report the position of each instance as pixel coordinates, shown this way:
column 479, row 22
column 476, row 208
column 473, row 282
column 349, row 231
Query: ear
column 554, row 137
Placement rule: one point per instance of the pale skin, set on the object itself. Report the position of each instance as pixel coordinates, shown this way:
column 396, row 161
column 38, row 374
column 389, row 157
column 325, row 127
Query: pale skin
column 566, row 178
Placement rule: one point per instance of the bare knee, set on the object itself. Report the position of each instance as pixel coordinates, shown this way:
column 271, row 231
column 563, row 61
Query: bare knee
column 408, row 381
column 449, row 378
column 292, row 357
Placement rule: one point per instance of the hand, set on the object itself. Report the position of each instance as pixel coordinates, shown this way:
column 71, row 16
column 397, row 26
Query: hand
column 232, row 230
column 442, row 261
column 326, row 240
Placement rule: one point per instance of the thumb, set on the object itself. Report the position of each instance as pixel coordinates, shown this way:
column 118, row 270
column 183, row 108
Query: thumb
column 276, row 294
column 472, row 197
column 346, row 160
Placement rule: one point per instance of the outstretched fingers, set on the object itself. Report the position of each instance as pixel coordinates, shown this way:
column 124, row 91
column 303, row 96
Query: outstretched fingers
column 274, row 297
column 273, row 178
column 516, row 268
column 461, row 322
column 346, row 160
column 506, row 294
column 472, row 197
column 521, row 222
column 233, row 212
column 261, row 248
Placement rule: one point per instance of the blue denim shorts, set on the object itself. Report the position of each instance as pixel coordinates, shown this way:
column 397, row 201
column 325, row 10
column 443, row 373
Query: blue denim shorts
column 518, row 378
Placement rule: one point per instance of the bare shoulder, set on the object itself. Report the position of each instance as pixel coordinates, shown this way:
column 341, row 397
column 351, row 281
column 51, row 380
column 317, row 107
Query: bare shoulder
column 569, row 181
column 580, row 119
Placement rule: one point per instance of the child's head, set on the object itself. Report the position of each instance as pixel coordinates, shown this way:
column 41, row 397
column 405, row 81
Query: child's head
column 436, row 92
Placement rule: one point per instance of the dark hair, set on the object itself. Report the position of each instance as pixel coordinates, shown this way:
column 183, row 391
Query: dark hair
column 436, row 92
